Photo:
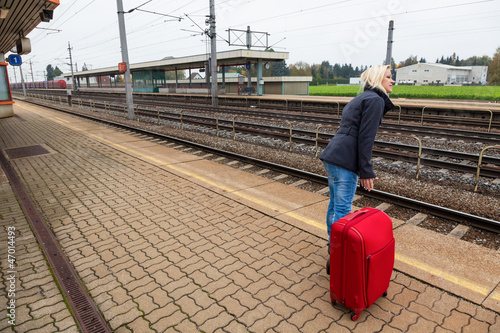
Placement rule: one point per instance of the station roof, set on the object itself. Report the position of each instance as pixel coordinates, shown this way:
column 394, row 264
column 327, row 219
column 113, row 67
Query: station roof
column 226, row 58
column 21, row 17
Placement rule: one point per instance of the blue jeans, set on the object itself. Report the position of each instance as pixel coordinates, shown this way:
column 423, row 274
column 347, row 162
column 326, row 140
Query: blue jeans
column 342, row 184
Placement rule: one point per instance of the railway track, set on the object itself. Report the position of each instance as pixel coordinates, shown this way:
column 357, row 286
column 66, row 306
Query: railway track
column 481, row 115
column 430, row 157
column 331, row 118
column 450, row 214
column 443, row 159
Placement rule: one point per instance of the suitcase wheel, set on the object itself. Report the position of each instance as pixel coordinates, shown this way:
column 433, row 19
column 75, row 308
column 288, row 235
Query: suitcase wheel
column 354, row 317
column 385, row 293
column 333, row 303
column 328, row 267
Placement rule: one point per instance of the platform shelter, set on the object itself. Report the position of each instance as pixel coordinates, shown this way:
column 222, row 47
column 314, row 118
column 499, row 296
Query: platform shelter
column 17, row 19
column 150, row 76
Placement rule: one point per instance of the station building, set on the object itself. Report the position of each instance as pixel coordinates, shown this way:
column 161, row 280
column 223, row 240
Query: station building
column 232, row 83
column 151, row 76
column 425, row 74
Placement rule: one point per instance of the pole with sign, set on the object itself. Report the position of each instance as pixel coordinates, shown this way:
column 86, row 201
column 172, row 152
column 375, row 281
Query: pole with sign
column 16, row 60
column 123, row 42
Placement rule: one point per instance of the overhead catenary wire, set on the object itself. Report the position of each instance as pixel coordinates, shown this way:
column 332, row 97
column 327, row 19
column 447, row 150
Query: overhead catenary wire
column 339, row 22
column 142, row 35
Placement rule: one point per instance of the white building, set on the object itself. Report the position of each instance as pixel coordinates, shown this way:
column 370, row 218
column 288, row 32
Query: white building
column 354, row 80
column 424, row 74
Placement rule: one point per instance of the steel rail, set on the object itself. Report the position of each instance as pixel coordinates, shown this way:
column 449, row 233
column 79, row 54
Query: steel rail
column 399, row 152
column 486, row 137
column 454, row 215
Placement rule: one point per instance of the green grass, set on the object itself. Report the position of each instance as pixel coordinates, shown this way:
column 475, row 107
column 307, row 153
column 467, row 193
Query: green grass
column 439, row 92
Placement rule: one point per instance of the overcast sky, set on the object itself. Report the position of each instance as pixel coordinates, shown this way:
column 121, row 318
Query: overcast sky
column 340, row 31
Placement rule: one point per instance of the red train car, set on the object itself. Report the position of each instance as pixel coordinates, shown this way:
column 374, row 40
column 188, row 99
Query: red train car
column 54, row 84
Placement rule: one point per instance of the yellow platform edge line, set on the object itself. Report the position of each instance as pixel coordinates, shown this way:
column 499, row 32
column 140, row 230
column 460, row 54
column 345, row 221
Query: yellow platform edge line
column 463, row 282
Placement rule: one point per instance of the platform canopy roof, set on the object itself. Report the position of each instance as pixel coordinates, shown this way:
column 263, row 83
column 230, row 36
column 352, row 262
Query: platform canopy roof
column 226, row 58
column 19, row 17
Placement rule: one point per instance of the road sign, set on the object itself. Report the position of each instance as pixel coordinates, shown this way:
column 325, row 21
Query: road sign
column 15, row 60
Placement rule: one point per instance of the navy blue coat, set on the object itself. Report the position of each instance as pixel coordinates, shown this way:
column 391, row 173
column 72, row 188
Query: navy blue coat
column 351, row 147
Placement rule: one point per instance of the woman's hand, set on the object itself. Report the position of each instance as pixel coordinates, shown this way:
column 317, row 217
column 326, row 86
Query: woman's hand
column 367, row 183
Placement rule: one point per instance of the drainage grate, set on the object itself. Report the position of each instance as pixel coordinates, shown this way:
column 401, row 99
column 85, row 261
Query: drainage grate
column 27, row 151
column 83, row 308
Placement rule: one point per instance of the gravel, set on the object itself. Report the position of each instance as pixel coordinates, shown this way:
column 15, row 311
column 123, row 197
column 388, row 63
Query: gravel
column 444, row 188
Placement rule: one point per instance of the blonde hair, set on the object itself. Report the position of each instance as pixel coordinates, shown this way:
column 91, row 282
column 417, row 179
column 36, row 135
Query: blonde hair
column 374, row 76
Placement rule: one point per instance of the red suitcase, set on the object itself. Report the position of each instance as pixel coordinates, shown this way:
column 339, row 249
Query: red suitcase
column 362, row 259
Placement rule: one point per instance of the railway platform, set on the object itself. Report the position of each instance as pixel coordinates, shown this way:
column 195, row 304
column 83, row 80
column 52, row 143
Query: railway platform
column 165, row 240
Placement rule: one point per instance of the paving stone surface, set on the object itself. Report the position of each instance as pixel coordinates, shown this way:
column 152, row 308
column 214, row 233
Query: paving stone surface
column 159, row 253
column 37, row 304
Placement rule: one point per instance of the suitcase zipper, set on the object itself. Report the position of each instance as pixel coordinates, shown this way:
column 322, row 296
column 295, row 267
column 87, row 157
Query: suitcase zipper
column 368, row 262
column 376, row 252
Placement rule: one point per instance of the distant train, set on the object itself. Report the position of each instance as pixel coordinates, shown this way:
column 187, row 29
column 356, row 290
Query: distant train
column 54, row 84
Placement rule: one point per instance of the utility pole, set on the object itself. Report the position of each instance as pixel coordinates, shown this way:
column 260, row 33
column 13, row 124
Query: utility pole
column 32, row 77
column 123, row 43
column 213, row 61
column 249, row 38
column 71, row 65
column 249, row 44
column 15, row 76
column 78, row 79
column 22, row 80
column 388, row 56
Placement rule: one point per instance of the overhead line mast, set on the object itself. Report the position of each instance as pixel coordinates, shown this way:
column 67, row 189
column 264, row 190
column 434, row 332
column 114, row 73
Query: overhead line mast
column 123, row 43
column 213, row 57
column 388, row 55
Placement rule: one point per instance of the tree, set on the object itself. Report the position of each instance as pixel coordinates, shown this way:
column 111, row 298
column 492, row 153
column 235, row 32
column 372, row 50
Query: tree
column 57, row 72
column 411, row 60
column 327, row 70
column 393, row 68
column 300, row 69
column 494, row 69
column 170, row 75
column 476, row 61
column 453, row 59
column 280, row 68
column 336, row 70
column 52, row 72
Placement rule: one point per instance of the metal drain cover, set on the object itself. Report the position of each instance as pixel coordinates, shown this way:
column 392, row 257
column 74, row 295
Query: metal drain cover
column 27, row 151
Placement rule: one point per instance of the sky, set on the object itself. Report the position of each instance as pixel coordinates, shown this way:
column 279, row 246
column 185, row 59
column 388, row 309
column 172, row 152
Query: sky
column 311, row 31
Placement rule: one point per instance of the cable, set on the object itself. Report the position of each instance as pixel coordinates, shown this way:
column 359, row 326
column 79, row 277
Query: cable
column 130, row 11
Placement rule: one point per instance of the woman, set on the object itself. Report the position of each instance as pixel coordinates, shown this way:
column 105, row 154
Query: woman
column 348, row 154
